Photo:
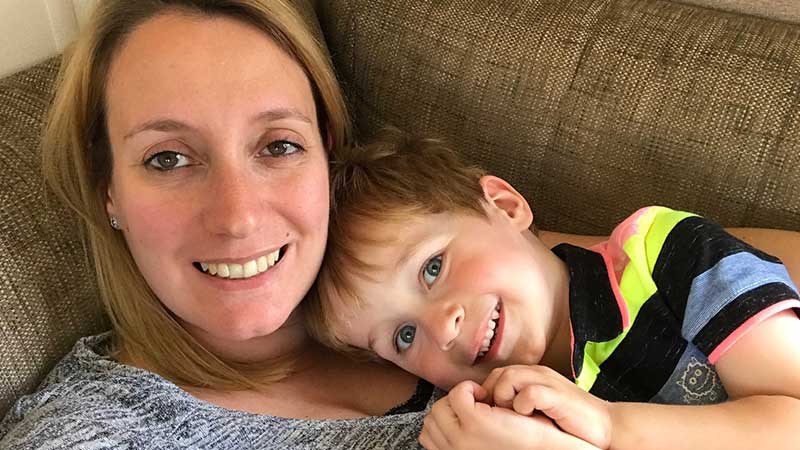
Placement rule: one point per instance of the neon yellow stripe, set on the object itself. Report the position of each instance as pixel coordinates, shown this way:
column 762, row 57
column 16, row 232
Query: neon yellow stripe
column 594, row 353
column 659, row 230
column 636, row 284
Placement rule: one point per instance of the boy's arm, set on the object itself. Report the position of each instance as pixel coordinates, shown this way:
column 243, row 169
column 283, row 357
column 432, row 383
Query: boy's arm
column 739, row 308
column 761, row 373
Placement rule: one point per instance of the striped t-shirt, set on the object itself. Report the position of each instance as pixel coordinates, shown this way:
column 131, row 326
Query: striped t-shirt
column 653, row 308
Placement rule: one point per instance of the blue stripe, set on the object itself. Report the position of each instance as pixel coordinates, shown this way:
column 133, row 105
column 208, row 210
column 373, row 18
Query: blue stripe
column 731, row 277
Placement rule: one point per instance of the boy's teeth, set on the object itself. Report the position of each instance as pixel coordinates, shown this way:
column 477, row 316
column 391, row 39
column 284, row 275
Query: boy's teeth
column 247, row 270
column 487, row 341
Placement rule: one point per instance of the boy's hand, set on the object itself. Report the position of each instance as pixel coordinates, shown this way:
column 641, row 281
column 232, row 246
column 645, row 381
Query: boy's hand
column 527, row 389
column 461, row 421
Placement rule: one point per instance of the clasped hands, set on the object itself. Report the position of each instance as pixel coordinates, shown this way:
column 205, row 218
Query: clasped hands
column 518, row 407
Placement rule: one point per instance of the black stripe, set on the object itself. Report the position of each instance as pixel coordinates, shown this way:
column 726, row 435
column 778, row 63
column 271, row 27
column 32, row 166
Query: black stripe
column 735, row 313
column 643, row 362
column 593, row 308
column 691, row 248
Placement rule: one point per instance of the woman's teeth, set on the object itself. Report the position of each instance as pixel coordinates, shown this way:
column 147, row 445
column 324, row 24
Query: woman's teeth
column 246, row 270
column 489, row 337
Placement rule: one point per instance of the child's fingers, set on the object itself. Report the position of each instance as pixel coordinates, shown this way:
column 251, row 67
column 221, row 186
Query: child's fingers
column 504, row 390
column 443, row 422
column 426, row 442
column 535, row 397
column 511, row 380
column 432, row 437
column 490, row 381
column 463, row 396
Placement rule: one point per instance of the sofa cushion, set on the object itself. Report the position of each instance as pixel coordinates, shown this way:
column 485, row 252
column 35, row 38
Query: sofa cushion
column 787, row 10
column 591, row 108
column 48, row 297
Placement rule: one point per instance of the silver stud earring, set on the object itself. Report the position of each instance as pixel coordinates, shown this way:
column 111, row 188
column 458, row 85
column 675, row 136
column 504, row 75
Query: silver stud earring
column 114, row 223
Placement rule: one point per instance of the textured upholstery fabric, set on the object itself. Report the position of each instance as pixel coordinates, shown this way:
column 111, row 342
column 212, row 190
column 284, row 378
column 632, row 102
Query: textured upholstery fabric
column 48, row 298
column 786, row 10
column 591, row 108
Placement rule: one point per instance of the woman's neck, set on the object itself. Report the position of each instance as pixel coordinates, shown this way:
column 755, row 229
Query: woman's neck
column 290, row 340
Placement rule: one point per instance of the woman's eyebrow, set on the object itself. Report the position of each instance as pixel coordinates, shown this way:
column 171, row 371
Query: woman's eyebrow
column 158, row 125
column 164, row 125
column 281, row 113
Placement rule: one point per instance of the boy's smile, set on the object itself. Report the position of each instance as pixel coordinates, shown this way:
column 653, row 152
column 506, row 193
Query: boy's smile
column 450, row 296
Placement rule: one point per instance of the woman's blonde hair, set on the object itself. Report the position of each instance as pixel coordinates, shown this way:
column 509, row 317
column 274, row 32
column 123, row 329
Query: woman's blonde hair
column 77, row 163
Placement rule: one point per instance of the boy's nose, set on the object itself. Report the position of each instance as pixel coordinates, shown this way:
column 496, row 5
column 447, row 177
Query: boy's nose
column 446, row 325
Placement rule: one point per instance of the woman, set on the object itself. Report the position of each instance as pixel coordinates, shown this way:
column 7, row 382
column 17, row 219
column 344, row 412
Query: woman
column 190, row 134
column 192, row 138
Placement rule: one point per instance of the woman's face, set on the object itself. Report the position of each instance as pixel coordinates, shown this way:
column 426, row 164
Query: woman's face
column 218, row 168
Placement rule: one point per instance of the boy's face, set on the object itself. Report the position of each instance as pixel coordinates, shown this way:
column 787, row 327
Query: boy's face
column 458, row 295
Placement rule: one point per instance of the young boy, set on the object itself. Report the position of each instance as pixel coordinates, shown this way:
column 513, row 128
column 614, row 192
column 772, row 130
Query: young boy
column 433, row 266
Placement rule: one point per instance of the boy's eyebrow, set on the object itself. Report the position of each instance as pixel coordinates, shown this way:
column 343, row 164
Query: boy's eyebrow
column 408, row 253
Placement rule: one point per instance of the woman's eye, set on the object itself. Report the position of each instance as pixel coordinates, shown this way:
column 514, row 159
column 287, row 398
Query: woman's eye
column 431, row 270
column 405, row 337
column 281, row 148
column 167, row 160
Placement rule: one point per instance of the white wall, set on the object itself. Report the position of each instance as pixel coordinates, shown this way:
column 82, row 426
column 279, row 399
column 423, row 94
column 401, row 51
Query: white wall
column 33, row 30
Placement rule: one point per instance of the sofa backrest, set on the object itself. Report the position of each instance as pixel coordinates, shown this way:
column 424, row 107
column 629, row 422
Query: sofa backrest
column 591, row 108
column 48, row 297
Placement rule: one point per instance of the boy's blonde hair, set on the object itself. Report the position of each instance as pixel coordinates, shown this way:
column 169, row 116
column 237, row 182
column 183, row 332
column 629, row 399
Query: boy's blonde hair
column 77, row 166
column 395, row 178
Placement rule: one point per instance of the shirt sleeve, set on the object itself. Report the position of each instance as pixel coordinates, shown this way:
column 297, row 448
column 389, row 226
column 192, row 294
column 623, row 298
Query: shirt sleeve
column 718, row 286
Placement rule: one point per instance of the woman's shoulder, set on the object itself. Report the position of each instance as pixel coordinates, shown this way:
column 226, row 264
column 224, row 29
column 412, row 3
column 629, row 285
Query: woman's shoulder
column 87, row 397
column 90, row 399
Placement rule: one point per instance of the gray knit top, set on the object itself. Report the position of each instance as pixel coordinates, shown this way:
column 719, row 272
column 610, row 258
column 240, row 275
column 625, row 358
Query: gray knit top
column 89, row 401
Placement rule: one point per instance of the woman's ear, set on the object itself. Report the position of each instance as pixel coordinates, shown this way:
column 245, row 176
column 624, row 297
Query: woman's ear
column 110, row 209
column 499, row 194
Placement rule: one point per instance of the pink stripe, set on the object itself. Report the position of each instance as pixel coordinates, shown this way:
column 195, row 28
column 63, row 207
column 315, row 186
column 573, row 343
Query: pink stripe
column 602, row 249
column 628, row 227
column 768, row 312
column 572, row 351
column 615, row 258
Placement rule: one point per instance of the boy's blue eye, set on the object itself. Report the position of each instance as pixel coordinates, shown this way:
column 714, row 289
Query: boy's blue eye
column 431, row 270
column 405, row 337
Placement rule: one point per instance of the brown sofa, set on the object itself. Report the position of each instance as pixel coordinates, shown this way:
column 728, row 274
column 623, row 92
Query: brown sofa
column 592, row 108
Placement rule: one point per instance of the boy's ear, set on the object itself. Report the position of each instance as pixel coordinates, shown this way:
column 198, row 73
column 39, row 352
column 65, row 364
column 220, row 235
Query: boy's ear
column 499, row 194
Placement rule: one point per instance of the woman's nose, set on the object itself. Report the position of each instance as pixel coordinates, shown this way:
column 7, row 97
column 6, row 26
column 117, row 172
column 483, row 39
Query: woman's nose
column 232, row 203
column 445, row 324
